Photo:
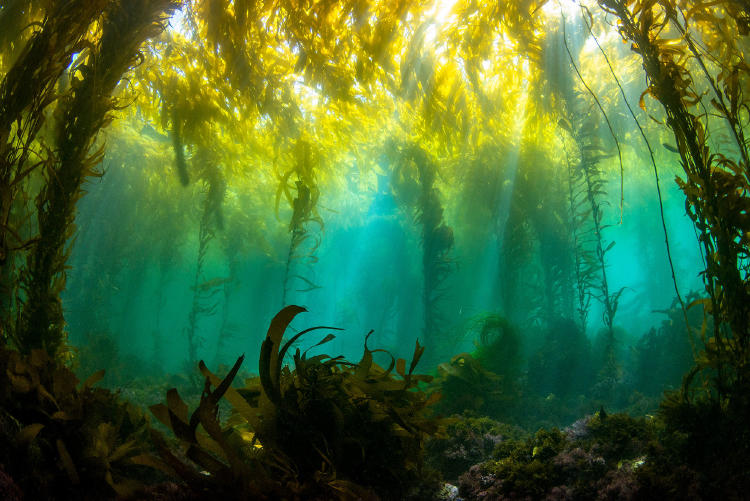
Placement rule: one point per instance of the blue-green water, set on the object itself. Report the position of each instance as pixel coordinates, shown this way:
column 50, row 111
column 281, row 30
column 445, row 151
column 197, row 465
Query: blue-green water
column 135, row 285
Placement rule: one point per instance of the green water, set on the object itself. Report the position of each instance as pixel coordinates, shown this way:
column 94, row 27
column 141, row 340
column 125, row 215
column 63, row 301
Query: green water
column 132, row 290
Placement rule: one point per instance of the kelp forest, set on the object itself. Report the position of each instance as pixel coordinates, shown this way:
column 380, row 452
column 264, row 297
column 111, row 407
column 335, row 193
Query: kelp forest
column 374, row 250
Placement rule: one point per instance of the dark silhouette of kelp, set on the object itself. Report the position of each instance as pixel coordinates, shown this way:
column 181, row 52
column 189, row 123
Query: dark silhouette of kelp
column 324, row 428
column 414, row 167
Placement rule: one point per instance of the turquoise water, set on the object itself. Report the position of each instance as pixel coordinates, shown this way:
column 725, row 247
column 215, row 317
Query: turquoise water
column 137, row 287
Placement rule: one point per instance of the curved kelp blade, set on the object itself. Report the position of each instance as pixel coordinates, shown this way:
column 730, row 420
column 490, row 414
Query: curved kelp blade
column 294, row 338
column 213, row 397
column 233, row 396
column 327, row 339
column 268, row 365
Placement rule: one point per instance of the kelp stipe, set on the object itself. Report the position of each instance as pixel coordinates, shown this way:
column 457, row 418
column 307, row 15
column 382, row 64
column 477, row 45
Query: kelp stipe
column 586, row 190
column 84, row 112
column 716, row 187
column 591, row 226
column 322, row 429
column 179, row 149
column 204, row 289
column 303, row 243
column 203, row 303
column 414, row 167
column 26, row 91
column 582, row 269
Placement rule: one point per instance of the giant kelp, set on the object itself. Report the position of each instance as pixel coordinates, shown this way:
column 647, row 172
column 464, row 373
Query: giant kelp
column 211, row 221
column 537, row 257
column 84, row 111
column 586, row 193
column 715, row 184
column 415, row 170
column 587, row 198
column 27, row 89
column 303, row 199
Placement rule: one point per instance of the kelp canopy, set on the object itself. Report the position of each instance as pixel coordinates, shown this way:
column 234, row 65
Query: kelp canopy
column 489, row 154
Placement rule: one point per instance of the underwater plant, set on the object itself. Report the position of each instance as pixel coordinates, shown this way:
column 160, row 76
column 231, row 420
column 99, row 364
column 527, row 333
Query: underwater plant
column 252, row 99
column 585, row 180
column 26, row 91
column 696, row 461
column 231, row 246
column 562, row 365
column 584, row 272
column 85, row 110
column 664, row 354
column 586, row 192
column 178, row 144
column 465, row 441
column 536, row 261
column 715, row 185
column 488, row 380
column 519, row 279
column 598, row 457
column 498, row 346
column 413, row 165
column 302, row 243
column 467, row 386
column 62, row 440
column 205, row 290
column 322, row 429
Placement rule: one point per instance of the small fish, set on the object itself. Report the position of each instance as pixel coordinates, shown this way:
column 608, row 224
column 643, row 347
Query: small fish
column 670, row 148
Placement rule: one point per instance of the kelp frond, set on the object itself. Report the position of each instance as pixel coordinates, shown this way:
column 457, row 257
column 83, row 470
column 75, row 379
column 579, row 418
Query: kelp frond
column 322, row 427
